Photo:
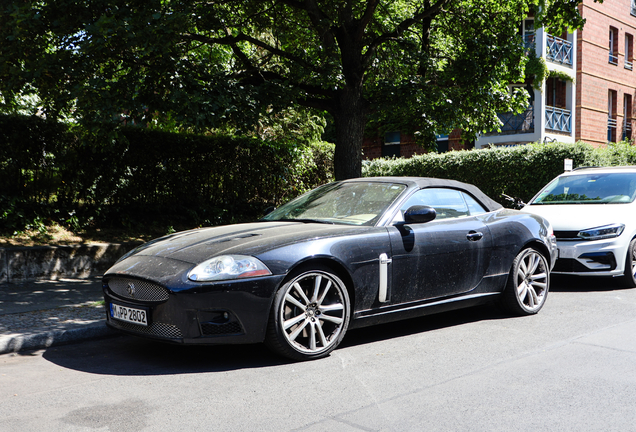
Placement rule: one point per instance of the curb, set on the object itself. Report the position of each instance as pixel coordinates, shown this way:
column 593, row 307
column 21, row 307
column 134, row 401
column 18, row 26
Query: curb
column 20, row 342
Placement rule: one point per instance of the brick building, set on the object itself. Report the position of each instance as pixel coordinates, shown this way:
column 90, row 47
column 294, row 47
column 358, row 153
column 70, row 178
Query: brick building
column 591, row 85
column 606, row 81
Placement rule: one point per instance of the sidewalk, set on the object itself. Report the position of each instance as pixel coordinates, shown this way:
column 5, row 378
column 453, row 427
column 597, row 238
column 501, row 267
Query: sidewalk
column 40, row 314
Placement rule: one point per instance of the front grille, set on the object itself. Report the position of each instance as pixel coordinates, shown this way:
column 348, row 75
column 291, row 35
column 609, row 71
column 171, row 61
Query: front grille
column 154, row 329
column 135, row 289
column 214, row 329
column 567, row 235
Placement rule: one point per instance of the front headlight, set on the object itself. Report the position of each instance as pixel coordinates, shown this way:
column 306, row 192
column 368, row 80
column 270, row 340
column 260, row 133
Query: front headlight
column 228, row 267
column 602, row 232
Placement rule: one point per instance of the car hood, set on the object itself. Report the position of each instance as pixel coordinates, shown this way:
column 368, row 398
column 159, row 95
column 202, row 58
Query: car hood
column 575, row 217
column 198, row 245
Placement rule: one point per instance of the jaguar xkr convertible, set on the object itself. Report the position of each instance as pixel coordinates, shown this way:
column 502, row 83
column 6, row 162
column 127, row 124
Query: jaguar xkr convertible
column 347, row 254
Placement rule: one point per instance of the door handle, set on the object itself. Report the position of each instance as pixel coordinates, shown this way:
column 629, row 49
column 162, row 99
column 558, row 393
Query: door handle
column 474, row 236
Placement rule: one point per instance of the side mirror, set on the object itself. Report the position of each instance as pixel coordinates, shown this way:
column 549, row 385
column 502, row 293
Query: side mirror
column 419, row 214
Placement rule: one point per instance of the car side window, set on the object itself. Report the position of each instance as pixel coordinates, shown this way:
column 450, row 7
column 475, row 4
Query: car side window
column 474, row 207
column 448, row 203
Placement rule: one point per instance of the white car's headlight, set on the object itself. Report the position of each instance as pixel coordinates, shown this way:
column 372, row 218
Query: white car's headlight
column 228, row 267
column 602, row 232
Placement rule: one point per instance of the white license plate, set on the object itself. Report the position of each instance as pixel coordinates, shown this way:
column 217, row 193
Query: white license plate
column 128, row 314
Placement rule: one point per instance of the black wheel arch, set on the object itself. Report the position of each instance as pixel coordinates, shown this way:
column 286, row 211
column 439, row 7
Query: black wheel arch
column 335, row 266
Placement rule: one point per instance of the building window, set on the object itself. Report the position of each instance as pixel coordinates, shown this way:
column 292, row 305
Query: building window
column 633, row 8
column 613, row 45
column 555, row 92
column 629, row 51
column 627, row 121
column 611, row 116
column 529, row 34
column 391, row 145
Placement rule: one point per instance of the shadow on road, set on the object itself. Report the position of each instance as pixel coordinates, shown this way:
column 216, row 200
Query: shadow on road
column 131, row 356
column 561, row 283
column 127, row 355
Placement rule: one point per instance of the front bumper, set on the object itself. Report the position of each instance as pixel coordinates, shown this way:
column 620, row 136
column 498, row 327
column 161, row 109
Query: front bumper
column 214, row 313
column 591, row 258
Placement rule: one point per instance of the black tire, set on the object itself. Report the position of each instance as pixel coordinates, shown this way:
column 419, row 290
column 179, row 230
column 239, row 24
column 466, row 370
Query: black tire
column 629, row 275
column 310, row 315
column 528, row 283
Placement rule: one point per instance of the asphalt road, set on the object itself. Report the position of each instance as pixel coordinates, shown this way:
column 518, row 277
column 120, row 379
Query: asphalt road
column 570, row 368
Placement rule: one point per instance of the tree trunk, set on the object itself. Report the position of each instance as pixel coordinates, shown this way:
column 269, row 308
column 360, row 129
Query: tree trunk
column 350, row 121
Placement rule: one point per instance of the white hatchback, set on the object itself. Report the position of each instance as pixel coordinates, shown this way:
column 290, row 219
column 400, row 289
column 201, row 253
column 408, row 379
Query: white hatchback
column 593, row 213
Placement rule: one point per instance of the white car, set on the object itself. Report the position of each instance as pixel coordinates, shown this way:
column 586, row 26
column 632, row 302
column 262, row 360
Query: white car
column 593, row 213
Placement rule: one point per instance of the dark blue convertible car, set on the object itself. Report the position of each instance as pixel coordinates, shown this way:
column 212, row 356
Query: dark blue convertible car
column 347, row 254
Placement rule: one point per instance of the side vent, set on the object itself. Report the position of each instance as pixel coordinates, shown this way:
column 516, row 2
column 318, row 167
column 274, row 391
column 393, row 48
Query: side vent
column 384, row 275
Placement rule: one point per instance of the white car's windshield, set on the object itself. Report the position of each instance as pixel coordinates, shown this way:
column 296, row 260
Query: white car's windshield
column 589, row 188
column 355, row 203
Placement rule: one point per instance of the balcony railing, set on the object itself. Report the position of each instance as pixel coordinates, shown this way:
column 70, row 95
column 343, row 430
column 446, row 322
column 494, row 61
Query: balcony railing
column 613, row 58
column 629, row 65
column 611, row 129
column 559, row 50
column 558, row 119
column 516, row 123
column 627, row 130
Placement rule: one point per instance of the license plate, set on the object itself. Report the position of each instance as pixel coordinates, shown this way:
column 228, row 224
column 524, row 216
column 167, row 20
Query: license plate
column 128, row 314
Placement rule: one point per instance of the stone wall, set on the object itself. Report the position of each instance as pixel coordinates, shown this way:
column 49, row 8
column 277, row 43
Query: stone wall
column 21, row 264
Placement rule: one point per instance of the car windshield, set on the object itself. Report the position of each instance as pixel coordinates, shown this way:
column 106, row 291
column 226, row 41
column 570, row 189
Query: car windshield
column 591, row 188
column 352, row 203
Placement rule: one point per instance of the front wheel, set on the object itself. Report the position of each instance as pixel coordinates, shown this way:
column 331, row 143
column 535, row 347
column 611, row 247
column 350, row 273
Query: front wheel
column 310, row 315
column 629, row 276
column 528, row 283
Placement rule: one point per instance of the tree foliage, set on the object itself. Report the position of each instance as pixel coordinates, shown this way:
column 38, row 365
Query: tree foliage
column 423, row 66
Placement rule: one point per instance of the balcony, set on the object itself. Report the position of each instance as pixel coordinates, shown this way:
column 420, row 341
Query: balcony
column 629, row 65
column 558, row 119
column 516, row 123
column 559, row 50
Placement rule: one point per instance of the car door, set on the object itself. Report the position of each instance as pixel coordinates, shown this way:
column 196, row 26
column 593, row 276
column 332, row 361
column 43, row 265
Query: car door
column 443, row 257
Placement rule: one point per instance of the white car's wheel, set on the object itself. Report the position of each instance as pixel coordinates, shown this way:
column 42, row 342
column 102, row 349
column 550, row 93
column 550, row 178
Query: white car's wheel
column 310, row 315
column 528, row 283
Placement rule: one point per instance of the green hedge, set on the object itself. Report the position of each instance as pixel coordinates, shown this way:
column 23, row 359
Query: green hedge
column 516, row 171
column 49, row 172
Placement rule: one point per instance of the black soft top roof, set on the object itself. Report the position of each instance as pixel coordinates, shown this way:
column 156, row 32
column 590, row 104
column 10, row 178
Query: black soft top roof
column 426, row 182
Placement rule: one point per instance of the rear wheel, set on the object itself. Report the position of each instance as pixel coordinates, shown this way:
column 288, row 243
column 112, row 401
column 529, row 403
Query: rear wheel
column 629, row 276
column 528, row 283
column 310, row 315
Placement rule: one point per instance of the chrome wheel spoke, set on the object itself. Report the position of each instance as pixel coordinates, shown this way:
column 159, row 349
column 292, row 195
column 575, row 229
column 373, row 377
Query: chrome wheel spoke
column 291, row 299
column 314, row 297
column 335, row 320
column 532, row 297
column 293, row 321
column 296, row 332
column 324, row 293
column 522, row 290
column 301, row 293
column 332, row 308
column 312, row 336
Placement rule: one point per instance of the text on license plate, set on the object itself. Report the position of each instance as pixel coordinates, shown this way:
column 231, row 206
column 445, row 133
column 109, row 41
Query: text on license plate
column 128, row 314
